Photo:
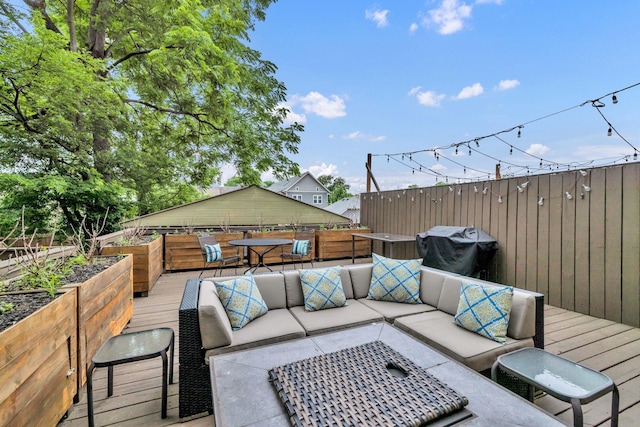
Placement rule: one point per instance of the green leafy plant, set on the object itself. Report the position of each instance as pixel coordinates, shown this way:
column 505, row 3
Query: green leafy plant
column 5, row 307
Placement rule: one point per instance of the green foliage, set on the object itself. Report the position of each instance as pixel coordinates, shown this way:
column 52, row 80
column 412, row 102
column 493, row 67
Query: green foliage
column 5, row 307
column 338, row 187
column 155, row 99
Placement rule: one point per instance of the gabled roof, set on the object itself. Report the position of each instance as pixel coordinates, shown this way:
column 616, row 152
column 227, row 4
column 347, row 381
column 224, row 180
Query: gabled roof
column 247, row 206
column 284, row 186
column 341, row 206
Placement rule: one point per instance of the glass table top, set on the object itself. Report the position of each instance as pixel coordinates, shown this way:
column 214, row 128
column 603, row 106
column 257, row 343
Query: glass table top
column 555, row 373
column 134, row 344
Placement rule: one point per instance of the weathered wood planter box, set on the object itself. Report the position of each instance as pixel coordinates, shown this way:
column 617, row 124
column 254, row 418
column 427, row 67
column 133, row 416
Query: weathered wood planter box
column 39, row 365
column 332, row 244
column 182, row 251
column 105, row 306
column 147, row 263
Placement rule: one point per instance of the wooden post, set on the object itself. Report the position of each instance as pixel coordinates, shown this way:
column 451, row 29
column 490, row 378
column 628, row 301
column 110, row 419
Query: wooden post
column 498, row 172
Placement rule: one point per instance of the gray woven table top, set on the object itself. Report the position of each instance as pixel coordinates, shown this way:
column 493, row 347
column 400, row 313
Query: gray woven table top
column 370, row 384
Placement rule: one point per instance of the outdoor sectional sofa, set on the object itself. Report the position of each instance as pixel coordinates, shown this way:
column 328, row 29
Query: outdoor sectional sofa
column 204, row 328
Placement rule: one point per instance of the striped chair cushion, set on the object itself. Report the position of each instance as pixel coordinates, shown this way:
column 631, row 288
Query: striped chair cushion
column 300, row 247
column 214, row 253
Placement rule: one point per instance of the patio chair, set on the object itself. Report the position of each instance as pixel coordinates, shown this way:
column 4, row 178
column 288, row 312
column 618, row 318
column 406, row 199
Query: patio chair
column 301, row 249
column 212, row 253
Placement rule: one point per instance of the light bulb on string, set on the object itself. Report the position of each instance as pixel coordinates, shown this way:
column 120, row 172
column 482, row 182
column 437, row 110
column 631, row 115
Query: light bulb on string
column 541, row 201
column 499, row 199
column 475, row 189
column 524, row 184
column 477, row 143
column 450, row 189
column 459, row 191
column 635, row 155
column 569, row 196
column 469, row 149
column 520, row 189
column 609, row 132
column 387, row 159
column 485, row 190
column 519, row 133
column 614, row 99
column 456, row 150
column 586, row 188
column 511, row 149
column 583, row 172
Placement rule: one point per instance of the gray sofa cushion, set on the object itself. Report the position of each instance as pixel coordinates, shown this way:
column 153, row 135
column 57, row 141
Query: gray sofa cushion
column 431, row 281
column 293, row 287
column 522, row 321
column 392, row 310
column 450, row 295
column 437, row 329
column 271, row 286
column 360, row 279
column 275, row 326
column 215, row 328
column 353, row 314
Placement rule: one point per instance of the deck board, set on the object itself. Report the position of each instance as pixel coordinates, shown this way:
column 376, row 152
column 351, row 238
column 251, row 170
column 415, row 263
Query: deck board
column 600, row 344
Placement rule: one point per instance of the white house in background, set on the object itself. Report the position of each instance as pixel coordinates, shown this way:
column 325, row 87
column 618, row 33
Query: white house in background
column 349, row 207
column 305, row 188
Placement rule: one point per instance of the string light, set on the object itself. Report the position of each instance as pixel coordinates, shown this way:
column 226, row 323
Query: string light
column 569, row 196
column 586, row 188
column 609, row 132
column 541, row 201
column 499, row 199
column 485, row 190
column 520, row 189
column 583, row 172
column 460, row 191
column 475, row 189
column 596, row 103
column 524, row 184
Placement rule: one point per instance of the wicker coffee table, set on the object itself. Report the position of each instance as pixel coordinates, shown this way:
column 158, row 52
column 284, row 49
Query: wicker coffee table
column 243, row 394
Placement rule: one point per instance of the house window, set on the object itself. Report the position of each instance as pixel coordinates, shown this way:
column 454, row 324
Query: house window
column 297, row 197
column 317, row 199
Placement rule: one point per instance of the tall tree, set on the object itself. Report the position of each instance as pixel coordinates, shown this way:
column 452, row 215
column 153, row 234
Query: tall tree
column 148, row 98
column 338, row 187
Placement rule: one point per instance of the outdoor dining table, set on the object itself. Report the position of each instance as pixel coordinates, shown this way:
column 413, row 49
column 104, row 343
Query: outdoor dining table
column 255, row 245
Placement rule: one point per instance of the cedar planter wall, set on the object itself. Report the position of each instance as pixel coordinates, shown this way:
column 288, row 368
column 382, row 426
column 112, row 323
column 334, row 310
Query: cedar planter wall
column 39, row 365
column 332, row 244
column 272, row 257
column 147, row 263
column 182, row 251
column 105, row 306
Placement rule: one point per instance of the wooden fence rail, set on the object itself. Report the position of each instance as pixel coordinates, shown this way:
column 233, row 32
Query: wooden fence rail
column 573, row 236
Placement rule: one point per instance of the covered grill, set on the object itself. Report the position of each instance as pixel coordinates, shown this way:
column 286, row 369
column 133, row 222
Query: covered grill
column 462, row 250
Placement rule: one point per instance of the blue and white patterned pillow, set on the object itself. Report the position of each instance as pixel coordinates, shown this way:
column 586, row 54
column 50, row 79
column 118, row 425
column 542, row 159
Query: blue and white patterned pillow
column 214, row 253
column 322, row 288
column 300, row 247
column 485, row 310
column 395, row 280
column 241, row 300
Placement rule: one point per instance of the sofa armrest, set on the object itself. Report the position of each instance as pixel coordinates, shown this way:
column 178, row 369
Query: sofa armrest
column 195, row 383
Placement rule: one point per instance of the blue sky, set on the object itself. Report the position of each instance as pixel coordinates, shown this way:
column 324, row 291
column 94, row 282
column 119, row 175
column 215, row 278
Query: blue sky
column 416, row 77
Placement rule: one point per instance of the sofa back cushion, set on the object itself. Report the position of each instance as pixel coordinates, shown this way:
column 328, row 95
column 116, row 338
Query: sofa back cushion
column 450, row 295
column 293, row 286
column 522, row 321
column 431, row 282
column 360, row 275
column 271, row 287
column 215, row 328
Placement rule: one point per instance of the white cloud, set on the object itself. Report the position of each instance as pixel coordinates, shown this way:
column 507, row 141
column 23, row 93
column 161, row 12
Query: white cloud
column 508, row 84
column 429, row 98
column 537, row 150
column 317, row 103
column 359, row 135
column 414, row 90
column 377, row 16
column 413, row 27
column 292, row 116
column 323, row 169
column 438, row 167
column 471, row 91
column 449, row 17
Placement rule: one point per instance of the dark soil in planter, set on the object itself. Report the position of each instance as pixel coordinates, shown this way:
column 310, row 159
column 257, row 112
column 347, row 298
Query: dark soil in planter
column 26, row 303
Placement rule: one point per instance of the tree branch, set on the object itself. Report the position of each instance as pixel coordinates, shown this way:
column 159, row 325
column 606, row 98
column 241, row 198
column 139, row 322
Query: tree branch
column 197, row 116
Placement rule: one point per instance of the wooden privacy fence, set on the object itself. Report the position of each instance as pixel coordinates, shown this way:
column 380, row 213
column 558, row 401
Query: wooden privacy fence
column 573, row 236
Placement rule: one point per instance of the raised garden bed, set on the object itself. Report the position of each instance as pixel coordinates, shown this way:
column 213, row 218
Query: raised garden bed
column 182, row 251
column 333, row 244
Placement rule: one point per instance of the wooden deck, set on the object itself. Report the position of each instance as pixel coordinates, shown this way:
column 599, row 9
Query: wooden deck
column 603, row 345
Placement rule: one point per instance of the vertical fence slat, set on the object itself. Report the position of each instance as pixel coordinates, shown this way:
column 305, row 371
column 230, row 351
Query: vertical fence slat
column 582, row 246
column 531, row 231
column 503, row 233
column 543, row 235
column 596, row 180
column 568, row 242
column 631, row 245
column 556, row 197
column 613, row 244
